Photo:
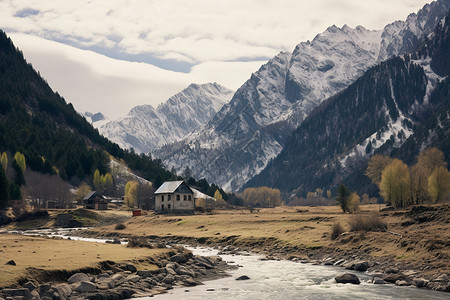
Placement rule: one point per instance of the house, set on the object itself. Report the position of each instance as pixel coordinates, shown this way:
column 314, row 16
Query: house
column 174, row 196
column 93, row 199
column 203, row 202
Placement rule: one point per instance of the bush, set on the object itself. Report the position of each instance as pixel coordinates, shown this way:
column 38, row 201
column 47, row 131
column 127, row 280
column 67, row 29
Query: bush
column 336, row 230
column 32, row 215
column 120, row 226
column 371, row 222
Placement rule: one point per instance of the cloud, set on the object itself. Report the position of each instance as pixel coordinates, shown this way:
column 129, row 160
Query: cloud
column 194, row 31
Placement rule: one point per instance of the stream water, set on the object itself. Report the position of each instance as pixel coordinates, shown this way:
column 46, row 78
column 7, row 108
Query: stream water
column 273, row 280
column 290, row 280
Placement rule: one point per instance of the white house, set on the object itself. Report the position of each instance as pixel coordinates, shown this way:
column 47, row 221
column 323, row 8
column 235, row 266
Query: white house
column 174, row 196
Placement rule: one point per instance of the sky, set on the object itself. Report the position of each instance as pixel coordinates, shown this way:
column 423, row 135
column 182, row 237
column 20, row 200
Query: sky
column 111, row 55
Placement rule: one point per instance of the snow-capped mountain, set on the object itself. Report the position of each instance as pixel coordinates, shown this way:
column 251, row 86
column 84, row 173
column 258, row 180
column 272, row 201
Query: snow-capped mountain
column 97, row 120
column 145, row 128
column 251, row 130
column 397, row 108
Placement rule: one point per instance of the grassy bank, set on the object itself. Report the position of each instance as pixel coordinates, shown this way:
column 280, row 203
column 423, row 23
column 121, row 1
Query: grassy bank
column 63, row 255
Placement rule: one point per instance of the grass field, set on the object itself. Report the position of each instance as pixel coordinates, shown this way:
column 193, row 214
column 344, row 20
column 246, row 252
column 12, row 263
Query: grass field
column 58, row 254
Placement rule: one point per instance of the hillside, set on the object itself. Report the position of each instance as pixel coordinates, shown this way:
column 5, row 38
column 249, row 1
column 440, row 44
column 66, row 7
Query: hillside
column 401, row 103
column 54, row 138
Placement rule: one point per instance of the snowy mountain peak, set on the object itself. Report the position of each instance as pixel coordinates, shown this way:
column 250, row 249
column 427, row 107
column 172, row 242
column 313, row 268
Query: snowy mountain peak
column 144, row 128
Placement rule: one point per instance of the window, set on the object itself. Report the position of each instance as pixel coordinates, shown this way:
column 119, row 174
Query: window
column 184, row 198
column 178, row 197
column 168, row 206
column 189, row 198
column 168, row 197
column 162, row 198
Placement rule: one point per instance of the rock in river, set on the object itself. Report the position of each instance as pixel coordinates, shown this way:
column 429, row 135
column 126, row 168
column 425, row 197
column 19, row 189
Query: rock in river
column 347, row 278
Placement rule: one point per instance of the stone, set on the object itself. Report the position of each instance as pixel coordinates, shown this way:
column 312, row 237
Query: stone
column 145, row 273
column 171, row 271
column 22, row 292
column 63, row 290
column 78, row 277
column 133, row 278
column 243, row 277
column 178, row 258
column 85, row 287
column 392, row 278
column 378, row 280
column 35, row 295
column 43, row 288
column 169, row 279
column 361, row 266
column 347, row 278
column 184, row 271
column 190, row 282
column 402, row 283
column 442, row 278
column 128, row 267
column 420, row 282
column 11, row 263
column 339, row 262
column 29, row 285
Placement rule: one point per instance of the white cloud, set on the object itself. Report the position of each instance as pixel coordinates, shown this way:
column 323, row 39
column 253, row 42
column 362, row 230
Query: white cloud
column 222, row 41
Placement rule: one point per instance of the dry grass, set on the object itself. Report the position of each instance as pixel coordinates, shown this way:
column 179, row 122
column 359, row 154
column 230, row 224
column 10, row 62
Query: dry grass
column 56, row 254
column 336, row 230
column 368, row 222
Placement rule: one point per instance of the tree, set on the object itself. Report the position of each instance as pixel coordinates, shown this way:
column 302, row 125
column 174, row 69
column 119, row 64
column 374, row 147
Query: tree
column 218, row 196
column 4, row 161
column 430, row 159
column 83, row 190
column 375, row 167
column 97, row 180
column 439, row 184
column 395, row 184
column 19, row 158
column 343, row 197
column 353, row 203
column 4, row 189
column 131, row 193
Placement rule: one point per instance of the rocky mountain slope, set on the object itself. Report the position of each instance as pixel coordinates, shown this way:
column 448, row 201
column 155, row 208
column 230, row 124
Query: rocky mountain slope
column 251, row 130
column 145, row 128
column 402, row 99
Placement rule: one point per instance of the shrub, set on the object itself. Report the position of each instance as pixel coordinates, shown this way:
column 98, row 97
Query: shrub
column 120, row 226
column 371, row 222
column 136, row 242
column 336, row 230
column 32, row 215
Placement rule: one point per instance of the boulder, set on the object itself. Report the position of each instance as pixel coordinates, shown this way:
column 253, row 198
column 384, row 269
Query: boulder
column 361, row 266
column 171, row 271
column 339, row 262
column 347, row 278
column 243, row 277
column 78, row 277
column 128, row 267
column 63, row 290
column 44, row 288
column 392, row 278
column 442, row 278
column 184, row 271
column 420, row 282
column 11, row 263
column 29, row 285
column 190, row 282
column 169, row 279
column 402, row 283
column 35, row 295
column 133, row 278
column 85, row 287
column 378, row 280
column 23, row 292
column 178, row 258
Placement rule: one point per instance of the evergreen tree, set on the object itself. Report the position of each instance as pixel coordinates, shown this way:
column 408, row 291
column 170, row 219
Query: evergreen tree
column 343, row 198
column 4, row 189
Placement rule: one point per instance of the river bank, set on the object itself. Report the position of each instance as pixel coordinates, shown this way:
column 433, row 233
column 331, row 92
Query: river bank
column 144, row 270
column 413, row 251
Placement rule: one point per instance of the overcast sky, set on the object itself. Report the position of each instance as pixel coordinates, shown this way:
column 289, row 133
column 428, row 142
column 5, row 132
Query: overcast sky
column 111, row 55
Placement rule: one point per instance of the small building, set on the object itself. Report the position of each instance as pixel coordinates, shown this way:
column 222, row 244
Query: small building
column 203, row 202
column 92, row 200
column 174, row 196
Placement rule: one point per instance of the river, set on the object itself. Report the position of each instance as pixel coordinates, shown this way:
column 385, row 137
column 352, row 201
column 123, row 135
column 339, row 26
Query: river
column 273, row 280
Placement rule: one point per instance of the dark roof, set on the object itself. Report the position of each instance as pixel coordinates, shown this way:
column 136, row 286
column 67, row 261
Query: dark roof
column 92, row 195
column 169, row 187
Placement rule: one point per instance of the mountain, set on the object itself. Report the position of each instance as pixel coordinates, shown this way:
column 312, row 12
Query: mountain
column 54, row 138
column 251, row 130
column 145, row 128
column 97, row 120
column 397, row 107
